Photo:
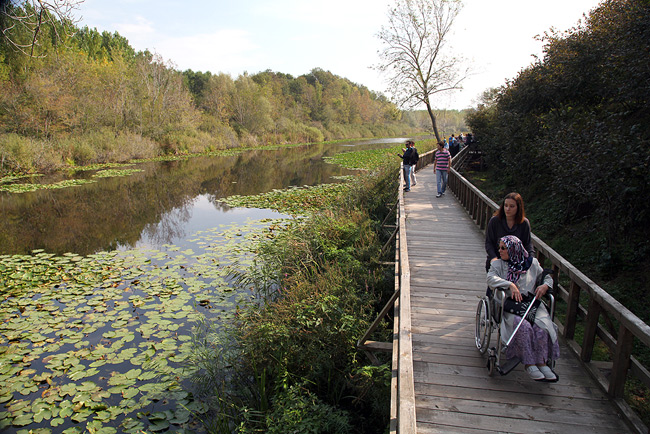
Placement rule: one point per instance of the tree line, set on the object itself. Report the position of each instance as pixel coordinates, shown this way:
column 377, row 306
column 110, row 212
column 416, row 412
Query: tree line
column 572, row 131
column 88, row 97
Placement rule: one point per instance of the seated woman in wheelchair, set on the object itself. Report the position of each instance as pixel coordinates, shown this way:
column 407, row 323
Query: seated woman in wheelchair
column 535, row 342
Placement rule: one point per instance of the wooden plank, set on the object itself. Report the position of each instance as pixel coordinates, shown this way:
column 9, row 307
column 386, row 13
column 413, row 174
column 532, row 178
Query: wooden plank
column 516, row 425
column 386, row 347
column 569, row 415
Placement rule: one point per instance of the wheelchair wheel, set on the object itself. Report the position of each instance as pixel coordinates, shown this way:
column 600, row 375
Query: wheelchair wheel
column 483, row 329
column 491, row 364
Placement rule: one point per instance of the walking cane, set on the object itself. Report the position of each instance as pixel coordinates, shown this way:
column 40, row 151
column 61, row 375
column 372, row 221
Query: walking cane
column 523, row 318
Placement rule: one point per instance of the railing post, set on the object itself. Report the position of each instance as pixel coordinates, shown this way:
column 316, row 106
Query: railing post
column 572, row 310
column 486, row 215
column 472, row 211
column 590, row 330
column 621, row 362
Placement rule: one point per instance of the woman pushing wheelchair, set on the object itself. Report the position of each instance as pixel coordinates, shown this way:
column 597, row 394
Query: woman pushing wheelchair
column 535, row 340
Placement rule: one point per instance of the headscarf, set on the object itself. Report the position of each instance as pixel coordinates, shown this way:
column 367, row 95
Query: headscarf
column 519, row 260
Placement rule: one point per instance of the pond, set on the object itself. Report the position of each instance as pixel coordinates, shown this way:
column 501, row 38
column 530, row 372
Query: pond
column 161, row 204
column 103, row 283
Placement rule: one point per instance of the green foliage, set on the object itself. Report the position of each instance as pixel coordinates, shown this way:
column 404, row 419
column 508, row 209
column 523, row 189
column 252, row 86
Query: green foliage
column 292, row 353
column 574, row 128
column 296, row 410
column 295, row 201
column 25, row 154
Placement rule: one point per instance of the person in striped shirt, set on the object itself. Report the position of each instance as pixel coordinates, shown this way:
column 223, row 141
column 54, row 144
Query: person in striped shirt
column 441, row 168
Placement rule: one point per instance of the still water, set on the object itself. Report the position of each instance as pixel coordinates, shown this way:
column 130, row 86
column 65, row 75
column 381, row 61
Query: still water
column 101, row 342
column 163, row 204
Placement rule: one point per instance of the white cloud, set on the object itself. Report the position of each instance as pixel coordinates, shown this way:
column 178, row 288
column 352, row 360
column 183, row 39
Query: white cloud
column 140, row 29
column 226, row 50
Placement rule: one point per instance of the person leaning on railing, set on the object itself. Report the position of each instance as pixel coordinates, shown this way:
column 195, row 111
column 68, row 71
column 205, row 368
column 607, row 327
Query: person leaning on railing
column 409, row 160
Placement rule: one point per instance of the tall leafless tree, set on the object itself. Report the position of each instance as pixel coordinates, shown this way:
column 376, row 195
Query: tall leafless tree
column 31, row 16
column 415, row 52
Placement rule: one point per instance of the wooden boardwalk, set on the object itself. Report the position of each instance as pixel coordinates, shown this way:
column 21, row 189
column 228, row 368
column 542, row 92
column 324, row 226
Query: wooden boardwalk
column 453, row 392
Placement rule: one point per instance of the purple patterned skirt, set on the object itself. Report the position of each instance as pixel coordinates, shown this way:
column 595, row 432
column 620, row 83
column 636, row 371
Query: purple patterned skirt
column 532, row 345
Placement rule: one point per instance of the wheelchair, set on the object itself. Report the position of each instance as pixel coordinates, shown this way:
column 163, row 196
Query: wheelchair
column 488, row 318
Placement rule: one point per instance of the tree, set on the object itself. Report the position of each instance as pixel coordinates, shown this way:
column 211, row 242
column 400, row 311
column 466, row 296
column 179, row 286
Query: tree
column 414, row 52
column 21, row 22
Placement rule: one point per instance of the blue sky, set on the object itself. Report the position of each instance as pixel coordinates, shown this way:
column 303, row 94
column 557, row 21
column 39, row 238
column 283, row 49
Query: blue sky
column 295, row 36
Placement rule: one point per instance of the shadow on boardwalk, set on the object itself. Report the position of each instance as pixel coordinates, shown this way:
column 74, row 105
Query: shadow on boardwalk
column 454, row 393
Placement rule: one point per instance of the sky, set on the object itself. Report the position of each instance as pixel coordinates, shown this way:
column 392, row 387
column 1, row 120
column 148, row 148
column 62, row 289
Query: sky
column 496, row 37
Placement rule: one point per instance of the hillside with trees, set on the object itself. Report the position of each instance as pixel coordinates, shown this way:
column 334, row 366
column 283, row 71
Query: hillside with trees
column 571, row 132
column 87, row 97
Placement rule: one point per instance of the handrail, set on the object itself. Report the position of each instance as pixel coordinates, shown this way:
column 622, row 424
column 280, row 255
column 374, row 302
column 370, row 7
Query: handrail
column 402, row 403
column 405, row 383
column 601, row 305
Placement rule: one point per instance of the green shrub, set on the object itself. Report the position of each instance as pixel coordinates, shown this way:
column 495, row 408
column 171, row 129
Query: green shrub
column 22, row 154
column 328, row 289
column 106, row 145
column 296, row 410
column 313, row 135
column 81, row 150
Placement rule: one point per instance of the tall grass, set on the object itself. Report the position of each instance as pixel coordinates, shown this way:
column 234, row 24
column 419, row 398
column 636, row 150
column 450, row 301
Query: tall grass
column 291, row 364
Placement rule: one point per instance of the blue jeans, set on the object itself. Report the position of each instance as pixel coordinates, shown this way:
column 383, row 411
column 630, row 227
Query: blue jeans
column 441, row 180
column 407, row 176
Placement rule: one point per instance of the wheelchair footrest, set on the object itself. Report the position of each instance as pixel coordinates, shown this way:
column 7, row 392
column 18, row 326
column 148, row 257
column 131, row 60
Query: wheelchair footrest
column 509, row 365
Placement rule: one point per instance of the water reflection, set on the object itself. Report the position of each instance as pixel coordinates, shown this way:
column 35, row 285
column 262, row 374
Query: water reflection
column 163, row 204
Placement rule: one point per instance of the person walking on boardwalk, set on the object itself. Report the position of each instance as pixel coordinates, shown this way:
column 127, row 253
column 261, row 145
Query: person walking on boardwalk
column 441, row 168
column 535, row 341
column 408, row 163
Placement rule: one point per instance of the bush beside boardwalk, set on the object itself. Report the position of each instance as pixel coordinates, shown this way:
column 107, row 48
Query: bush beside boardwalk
column 293, row 362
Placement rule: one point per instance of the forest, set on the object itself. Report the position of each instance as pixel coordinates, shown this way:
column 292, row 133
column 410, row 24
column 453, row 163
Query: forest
column 86, row 97
column 571, row 133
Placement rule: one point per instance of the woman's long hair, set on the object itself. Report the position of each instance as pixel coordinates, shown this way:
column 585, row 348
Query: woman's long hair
column 521, row 214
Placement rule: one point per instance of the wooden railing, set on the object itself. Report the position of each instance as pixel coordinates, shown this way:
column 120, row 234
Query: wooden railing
column 402, row 408
column 601, row 307
column 403, row 357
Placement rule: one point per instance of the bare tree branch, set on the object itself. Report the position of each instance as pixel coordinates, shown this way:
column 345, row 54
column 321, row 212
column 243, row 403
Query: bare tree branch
column 414, row 52
column 30, row 16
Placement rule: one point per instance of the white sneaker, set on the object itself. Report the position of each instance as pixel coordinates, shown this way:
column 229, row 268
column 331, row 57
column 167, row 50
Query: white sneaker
column 534, row 373
column 548, row 373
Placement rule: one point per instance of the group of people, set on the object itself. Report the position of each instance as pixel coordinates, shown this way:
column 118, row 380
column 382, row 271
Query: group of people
column 454, row 144
column 510, row 265
column 441, row 165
